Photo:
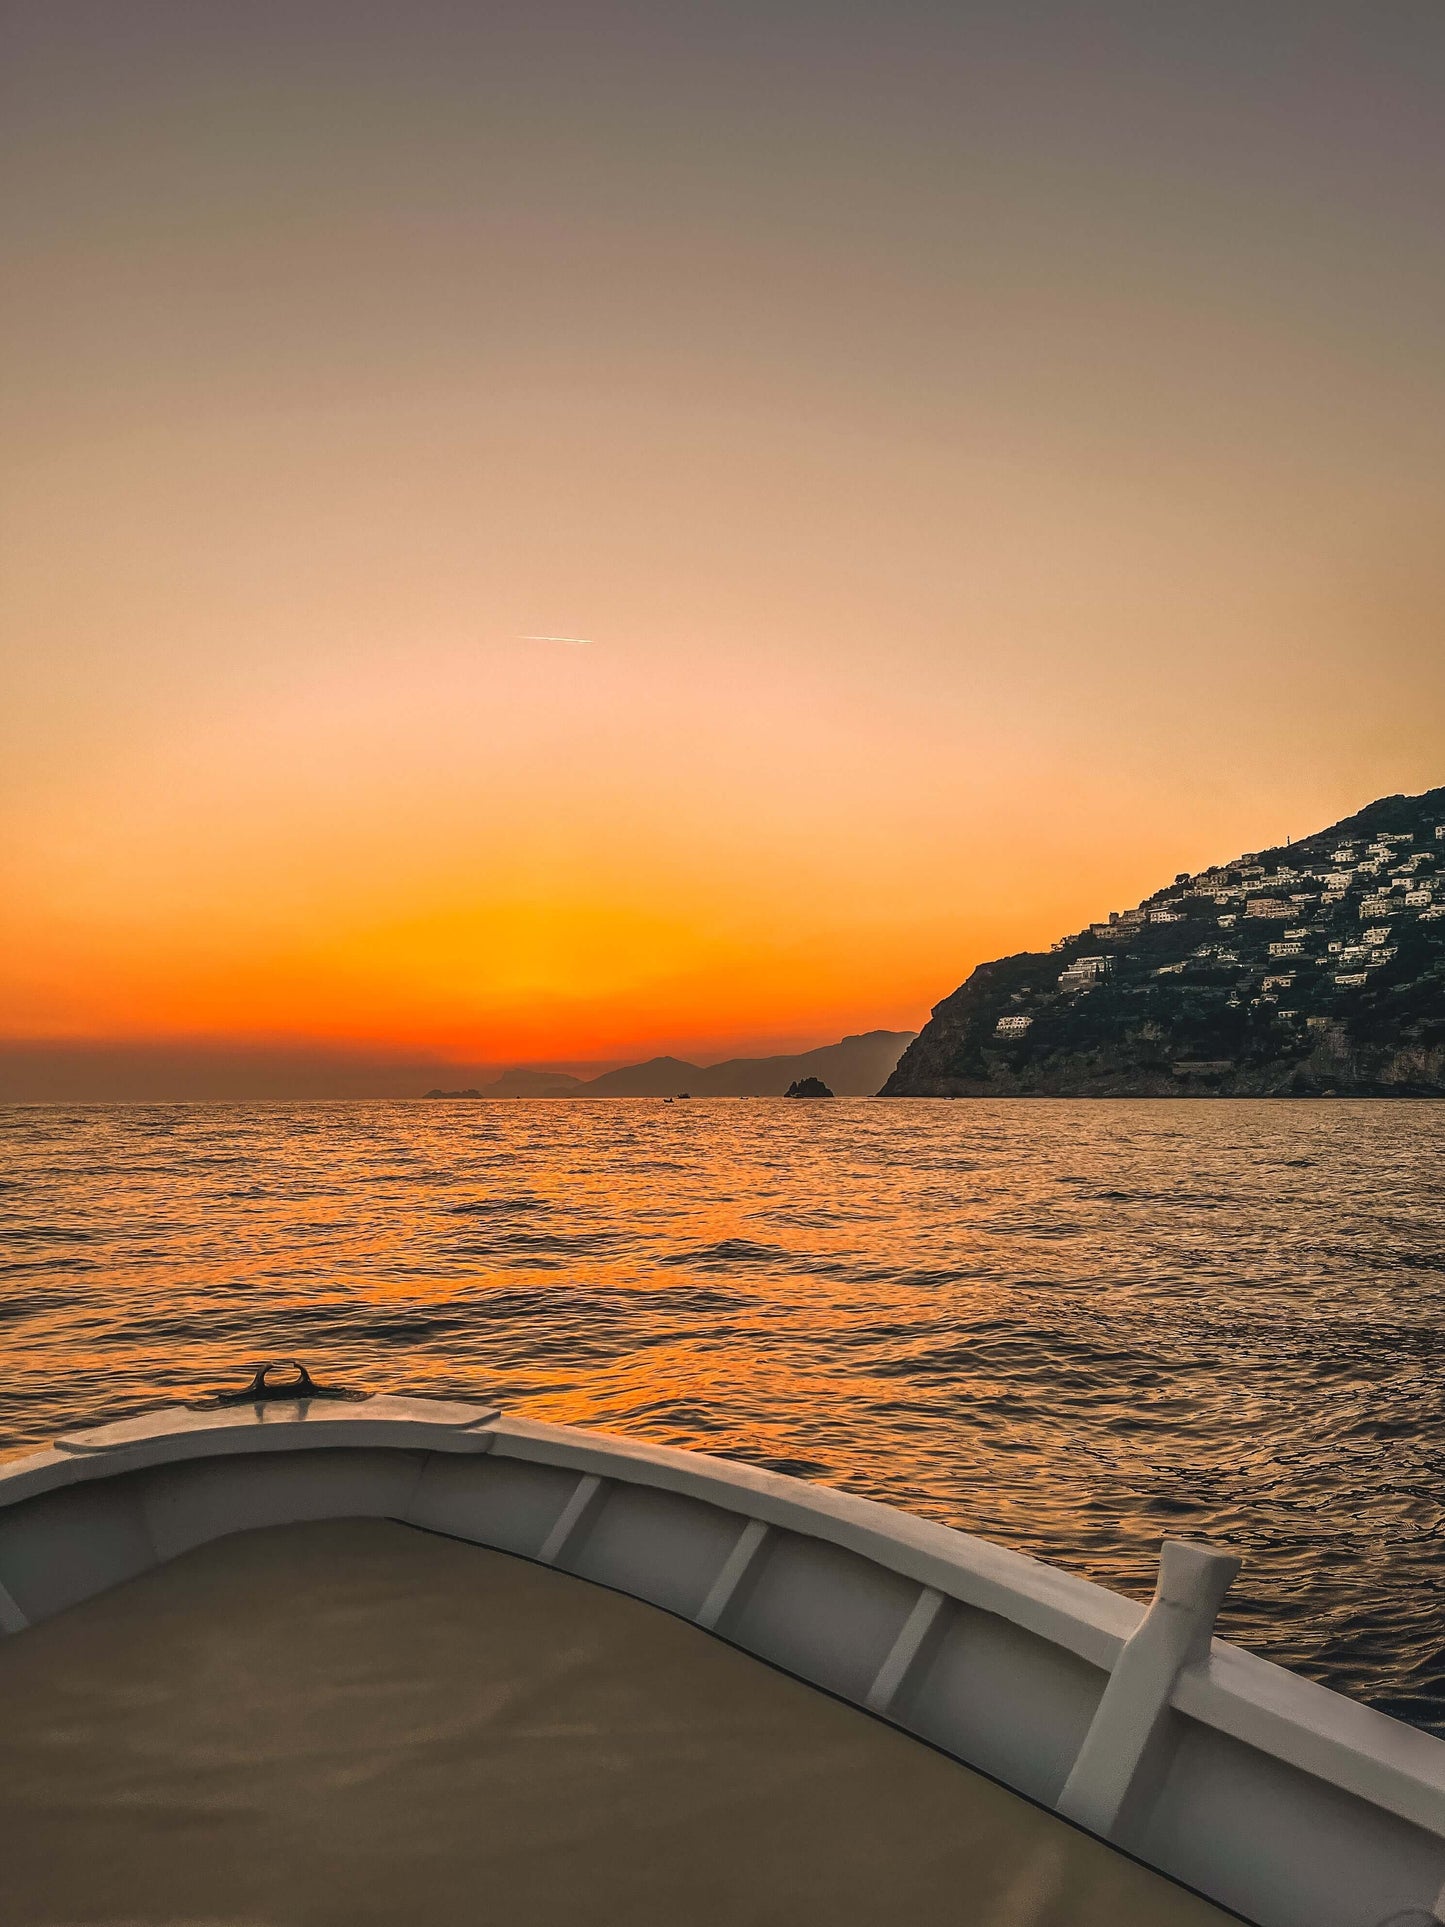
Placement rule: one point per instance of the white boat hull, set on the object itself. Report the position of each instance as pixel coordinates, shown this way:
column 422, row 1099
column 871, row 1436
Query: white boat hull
column 1274, row 1796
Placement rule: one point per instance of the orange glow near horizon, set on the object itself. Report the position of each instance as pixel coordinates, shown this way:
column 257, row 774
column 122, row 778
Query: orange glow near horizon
column 940, row 476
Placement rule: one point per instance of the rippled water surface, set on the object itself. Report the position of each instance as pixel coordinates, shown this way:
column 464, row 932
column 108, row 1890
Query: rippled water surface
column 1072, row 1327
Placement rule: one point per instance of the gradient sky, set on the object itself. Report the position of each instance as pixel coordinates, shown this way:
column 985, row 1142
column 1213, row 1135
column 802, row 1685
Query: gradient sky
column 994, row 452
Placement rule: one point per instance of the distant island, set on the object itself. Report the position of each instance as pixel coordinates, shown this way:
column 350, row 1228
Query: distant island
column 853, row 1067
column 1315, row 969
column 808, row 1087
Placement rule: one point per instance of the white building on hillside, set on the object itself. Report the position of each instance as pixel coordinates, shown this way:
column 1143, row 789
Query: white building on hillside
column 1084, row 972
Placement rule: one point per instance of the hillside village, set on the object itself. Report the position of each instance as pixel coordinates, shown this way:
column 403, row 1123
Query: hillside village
column 1310, row 969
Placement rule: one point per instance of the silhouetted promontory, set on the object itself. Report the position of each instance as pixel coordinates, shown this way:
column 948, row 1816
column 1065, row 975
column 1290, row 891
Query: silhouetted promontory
column 853, row 1067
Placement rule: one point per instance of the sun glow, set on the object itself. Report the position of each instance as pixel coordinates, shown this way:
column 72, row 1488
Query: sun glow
column 622, row 565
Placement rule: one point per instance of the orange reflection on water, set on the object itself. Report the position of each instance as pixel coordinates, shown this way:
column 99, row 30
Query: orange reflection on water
column 1069, row 1327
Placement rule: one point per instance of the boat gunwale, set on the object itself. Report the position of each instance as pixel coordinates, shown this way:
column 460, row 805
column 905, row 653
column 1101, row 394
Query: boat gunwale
column 1324, row 1734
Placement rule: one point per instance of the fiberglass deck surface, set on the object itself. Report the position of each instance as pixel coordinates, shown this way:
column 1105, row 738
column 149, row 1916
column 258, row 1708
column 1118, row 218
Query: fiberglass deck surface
column 358, row 1722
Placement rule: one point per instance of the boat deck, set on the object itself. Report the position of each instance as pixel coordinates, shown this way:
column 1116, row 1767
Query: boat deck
column 358, row 1722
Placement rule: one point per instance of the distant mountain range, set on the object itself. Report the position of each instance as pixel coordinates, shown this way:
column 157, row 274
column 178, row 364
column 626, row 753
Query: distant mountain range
column 1315, row 969
column 855, row 1067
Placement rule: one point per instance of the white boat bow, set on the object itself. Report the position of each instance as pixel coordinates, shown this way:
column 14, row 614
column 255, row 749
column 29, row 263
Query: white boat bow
column 1271, row 1795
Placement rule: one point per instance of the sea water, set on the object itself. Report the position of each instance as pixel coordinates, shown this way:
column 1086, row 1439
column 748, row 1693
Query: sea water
column 1072, row 1327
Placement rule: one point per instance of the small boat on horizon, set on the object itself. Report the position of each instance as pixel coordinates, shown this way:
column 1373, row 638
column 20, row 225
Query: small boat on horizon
column 297, row 1654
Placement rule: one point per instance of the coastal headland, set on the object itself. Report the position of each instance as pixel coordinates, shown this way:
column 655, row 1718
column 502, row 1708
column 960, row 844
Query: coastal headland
column 1314, row 969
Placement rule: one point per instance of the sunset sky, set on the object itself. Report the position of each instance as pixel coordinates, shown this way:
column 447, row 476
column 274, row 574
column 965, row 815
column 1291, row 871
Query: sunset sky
column 993, row 455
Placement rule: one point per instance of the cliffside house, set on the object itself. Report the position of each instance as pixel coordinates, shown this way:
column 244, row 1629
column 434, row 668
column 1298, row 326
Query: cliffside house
column 1084, row 972
column 1012, row 1026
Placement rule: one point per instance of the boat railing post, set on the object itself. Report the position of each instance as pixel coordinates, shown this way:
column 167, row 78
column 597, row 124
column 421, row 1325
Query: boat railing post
column 588, row 1496
column 12, row 1620
column 739, row 1563
column 1173, row 1634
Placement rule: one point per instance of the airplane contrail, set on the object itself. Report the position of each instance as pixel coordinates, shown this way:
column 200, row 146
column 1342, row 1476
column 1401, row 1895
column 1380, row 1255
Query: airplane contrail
column 577, row 641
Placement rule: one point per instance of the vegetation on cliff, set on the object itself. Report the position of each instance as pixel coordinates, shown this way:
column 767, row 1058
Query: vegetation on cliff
column 1314, row 969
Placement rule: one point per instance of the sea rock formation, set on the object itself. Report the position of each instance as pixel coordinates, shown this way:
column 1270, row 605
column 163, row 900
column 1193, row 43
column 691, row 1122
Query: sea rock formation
column 808, row 1087
column 1311, row 970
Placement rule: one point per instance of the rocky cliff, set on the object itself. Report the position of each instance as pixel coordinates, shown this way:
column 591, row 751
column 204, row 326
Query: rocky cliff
column 1316, row 969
